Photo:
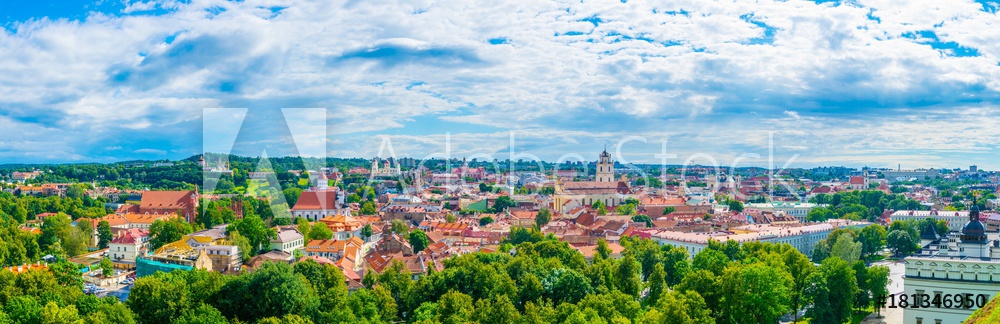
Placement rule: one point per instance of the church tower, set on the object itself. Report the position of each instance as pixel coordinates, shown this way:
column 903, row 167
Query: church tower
column 605, row 167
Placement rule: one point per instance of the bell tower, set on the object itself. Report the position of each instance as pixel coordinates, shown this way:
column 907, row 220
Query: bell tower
column 605, row 167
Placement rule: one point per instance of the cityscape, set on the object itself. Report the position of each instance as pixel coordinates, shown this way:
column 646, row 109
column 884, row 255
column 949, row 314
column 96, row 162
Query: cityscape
column 301, row 161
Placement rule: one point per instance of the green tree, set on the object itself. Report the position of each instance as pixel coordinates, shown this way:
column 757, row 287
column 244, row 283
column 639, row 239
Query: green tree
column 485, row 221
column 419, row 241
column 274, row 290
column 846, row 249
column 367, row 231
column 657, row 283
column 757, row 291
column 400, row 227
column 878, row 283
column 627, row 276
column 543, row 217
column 292, row 195
column 838, row 283
column 669, row 209
column 368, row 208
column 643, row 219
column 107, row 268
column 162, row 232
column 104, row 234
column 255, row 230
column 320, row 231
column 735, row 206
column 821, row 251
column 872, row 238
column 242, row 244
column 711, row 260
column 502, row 203
column 455, row 307
column 679, row 307
column 900, row 242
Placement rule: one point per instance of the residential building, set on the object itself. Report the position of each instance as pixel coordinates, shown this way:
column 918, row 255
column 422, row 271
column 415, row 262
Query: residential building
column 128, row 244
column 288, row 240
column 799, row 210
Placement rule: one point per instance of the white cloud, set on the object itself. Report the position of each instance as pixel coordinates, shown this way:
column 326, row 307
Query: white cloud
column 718, row 74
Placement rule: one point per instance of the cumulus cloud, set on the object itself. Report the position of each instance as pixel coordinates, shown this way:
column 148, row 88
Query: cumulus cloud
column 566, row 76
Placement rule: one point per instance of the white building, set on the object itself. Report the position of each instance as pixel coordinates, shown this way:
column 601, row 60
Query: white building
column 955, row 219
column 288, row 240
column 799, row 210
column 967, row 264
column 129, row 243
column 803, row 238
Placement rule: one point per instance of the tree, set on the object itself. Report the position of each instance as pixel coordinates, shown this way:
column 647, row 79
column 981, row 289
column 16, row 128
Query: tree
column 899, row 242
column 54, row 229
column 320, row 231
column 669, row 209
column 711, row 260
column 643, row 219
column 821, row 251
column 292, row 195
column 104, row 234
column 625, row 209
column 872, row 239
column 255, row 230
column 627, row 275
column 502, row 203
column 878, row 283
column 846, row 249
column 274, row 290
column 543, row 217
column 107, row 268
column 162, row 232
column 679, row 307
column 450, row 218
column 597, row 205
column 418, row 240
column 832, row 292
column 368, row 208
column 756, row 291
column 735, row 206
column 242, row 244
column 603, row 250
column 400, row 227
column 303, row 226
column 485, row 221
column 367, row 231
column 657, row 283
column 455, row 307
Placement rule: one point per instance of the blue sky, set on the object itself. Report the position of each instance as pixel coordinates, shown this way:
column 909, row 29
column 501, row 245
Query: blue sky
column 867, row 82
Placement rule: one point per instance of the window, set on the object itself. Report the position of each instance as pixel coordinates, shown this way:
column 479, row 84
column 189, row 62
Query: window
column 920, row 320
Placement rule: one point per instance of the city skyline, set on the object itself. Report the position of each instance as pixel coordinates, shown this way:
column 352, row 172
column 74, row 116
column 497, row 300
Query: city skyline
column 853, row 84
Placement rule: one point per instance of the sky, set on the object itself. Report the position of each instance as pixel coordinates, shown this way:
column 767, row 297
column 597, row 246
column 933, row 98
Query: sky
column 799, row 83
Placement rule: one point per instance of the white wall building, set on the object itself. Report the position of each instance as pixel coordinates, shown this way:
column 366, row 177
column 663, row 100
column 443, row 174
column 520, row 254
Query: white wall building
column 803, row 238
column 966, row 264
column 799, row 210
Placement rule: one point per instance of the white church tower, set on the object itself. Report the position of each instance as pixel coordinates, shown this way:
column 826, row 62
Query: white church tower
column 605, row 167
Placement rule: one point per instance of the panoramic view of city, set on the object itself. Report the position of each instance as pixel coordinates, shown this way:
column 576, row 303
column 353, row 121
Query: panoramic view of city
column 690, row 161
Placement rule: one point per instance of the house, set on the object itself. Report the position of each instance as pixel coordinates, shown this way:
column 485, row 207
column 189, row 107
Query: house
column 343, row 227
column 128, row 244
column 269, row 256
column 394, row 244
column 288, row 239
column 335, row 249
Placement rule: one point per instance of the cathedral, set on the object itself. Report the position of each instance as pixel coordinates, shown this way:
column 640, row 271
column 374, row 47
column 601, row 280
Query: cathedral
column 387, row 169
column 605, row 188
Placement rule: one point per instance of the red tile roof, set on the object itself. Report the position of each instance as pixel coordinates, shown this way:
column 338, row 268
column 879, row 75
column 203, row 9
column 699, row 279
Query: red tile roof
column 316, row 200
